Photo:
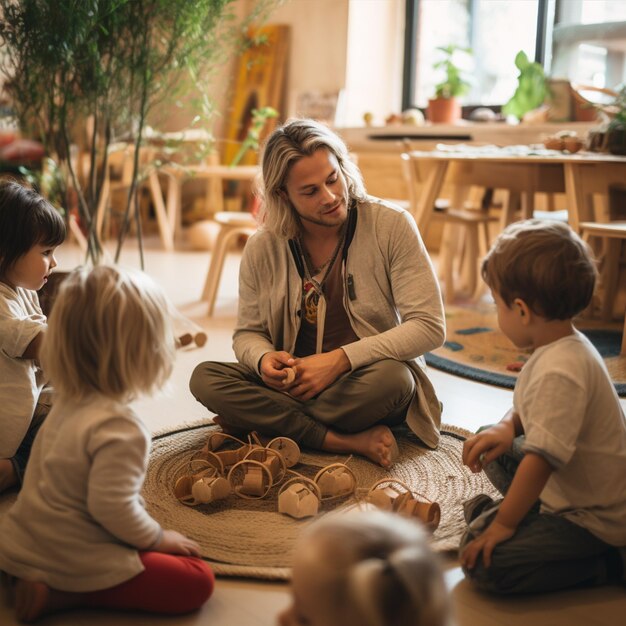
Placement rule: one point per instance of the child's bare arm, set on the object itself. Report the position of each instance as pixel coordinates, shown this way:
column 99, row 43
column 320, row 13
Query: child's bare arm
column 529, row 480
column 33, row 348
column 489, row 444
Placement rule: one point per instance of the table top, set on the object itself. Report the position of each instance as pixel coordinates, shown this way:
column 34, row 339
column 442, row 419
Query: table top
column 202, row 170
column 512, row 154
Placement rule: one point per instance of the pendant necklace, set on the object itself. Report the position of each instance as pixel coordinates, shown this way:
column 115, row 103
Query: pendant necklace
column 311, row 288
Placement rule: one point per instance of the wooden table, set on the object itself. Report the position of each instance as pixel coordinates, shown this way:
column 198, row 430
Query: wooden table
column 177, row 174
column 585, row 178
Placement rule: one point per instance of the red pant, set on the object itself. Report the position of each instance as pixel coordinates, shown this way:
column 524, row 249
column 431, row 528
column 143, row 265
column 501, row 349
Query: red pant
column 170, row 584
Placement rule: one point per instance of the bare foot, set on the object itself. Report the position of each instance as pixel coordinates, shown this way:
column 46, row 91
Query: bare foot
column 377, row 444
column 34, row 600
column 237, row 433
column 227, row 428
column 8, row 477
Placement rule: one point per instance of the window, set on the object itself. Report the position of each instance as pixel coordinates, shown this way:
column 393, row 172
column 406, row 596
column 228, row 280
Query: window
column 485, row 26
column 589, row 42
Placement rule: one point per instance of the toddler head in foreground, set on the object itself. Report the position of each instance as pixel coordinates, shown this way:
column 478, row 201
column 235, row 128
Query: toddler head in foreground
column 366, row 568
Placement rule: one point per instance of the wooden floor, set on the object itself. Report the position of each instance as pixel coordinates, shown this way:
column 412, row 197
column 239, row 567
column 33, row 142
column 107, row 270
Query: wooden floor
column 242, row 602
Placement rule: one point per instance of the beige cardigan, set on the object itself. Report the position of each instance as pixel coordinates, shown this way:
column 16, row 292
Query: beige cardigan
column 395, row 309
column 79, row 519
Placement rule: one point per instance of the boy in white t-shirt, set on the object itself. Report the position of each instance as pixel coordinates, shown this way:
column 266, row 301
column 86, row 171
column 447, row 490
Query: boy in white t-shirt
column 559, row 455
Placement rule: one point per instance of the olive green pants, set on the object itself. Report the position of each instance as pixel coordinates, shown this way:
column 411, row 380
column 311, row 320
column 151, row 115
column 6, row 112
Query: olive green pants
column 374, row 394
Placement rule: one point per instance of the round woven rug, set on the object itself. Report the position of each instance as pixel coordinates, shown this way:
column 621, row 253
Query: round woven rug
column 478, row 350
column 250, row 538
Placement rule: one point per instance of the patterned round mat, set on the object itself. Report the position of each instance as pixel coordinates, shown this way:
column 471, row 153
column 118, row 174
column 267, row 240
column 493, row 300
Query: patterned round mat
column 250, row 538
column 478, row 350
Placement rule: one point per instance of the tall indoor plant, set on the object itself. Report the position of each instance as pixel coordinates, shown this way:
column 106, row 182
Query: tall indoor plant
column 113, row 62
column 445, row 106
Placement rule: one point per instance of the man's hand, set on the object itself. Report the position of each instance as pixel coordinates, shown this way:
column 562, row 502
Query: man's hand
column 273, row 365
column 173, row 542
column 317, row 372
column 494, row 534
column 488, row 445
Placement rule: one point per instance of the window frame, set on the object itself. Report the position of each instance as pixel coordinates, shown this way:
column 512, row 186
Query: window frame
column 411, row 28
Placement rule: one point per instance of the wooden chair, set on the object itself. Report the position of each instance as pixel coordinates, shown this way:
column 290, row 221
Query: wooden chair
column 232, row 225
column 464, row 217
column 614, row 237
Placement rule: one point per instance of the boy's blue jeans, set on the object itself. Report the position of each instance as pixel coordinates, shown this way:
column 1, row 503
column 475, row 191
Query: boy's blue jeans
column 547, row 552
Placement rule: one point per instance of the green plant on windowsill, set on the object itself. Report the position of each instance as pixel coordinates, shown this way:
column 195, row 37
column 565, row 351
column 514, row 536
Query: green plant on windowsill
column 531, row 89
column 454, row 84
column 445, row 107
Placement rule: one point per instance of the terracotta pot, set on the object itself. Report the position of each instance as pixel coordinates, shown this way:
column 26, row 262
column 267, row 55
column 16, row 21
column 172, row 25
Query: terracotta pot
column 443, row 110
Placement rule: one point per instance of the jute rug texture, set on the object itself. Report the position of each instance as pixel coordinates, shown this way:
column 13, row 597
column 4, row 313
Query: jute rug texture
column 476, row 349
column 250, row 538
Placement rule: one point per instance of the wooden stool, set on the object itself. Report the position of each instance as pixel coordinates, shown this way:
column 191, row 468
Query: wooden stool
column 464, row 218
column 232, row 225
column 614, row 235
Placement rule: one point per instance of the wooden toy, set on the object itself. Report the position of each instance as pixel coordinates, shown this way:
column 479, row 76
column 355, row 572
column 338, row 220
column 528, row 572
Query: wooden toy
column 299, row 497
column 260, row 470
column 335, row 481
column 394, row 495
column 287, row 448
column 222, row 460
column 291, row 375
column 185, row 339
column 201, row 487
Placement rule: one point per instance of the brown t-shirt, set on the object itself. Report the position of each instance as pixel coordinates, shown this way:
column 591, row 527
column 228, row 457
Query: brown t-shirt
column 337, row 329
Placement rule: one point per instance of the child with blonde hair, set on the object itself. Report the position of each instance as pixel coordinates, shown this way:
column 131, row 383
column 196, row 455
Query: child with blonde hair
column 30, row 230
column 558, row 456
column 366, row 568
column 79, row 534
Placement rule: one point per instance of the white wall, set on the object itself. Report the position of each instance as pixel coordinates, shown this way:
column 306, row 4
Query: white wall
column 319, row 31
column 348, row 46
column 374, row 66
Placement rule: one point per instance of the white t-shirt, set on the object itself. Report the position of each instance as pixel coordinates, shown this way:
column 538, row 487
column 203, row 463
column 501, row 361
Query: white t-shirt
column 572, row 416
column 79, row 519
column 21, row 381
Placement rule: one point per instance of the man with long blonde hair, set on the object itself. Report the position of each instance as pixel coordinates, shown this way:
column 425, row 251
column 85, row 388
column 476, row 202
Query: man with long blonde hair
column 337, row 302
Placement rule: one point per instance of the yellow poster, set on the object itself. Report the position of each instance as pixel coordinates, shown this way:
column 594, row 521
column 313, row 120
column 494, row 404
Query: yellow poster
column 260, row 82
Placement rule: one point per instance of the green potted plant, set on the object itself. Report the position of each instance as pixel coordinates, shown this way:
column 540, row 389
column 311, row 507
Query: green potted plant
column 531, row 89
column 114, row 63
column 616, row 129
column 445, row 106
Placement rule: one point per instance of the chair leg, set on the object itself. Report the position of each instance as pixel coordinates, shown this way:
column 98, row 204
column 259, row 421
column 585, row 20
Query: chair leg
column 611, row 276
column 471, row 257
column 623, row 350
column 449, row 245
column 222, row 243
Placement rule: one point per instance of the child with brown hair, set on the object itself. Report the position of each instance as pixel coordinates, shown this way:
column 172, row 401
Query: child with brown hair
column 366, row 568
column 558, row 456
column 30, row 230
column 79, row 534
